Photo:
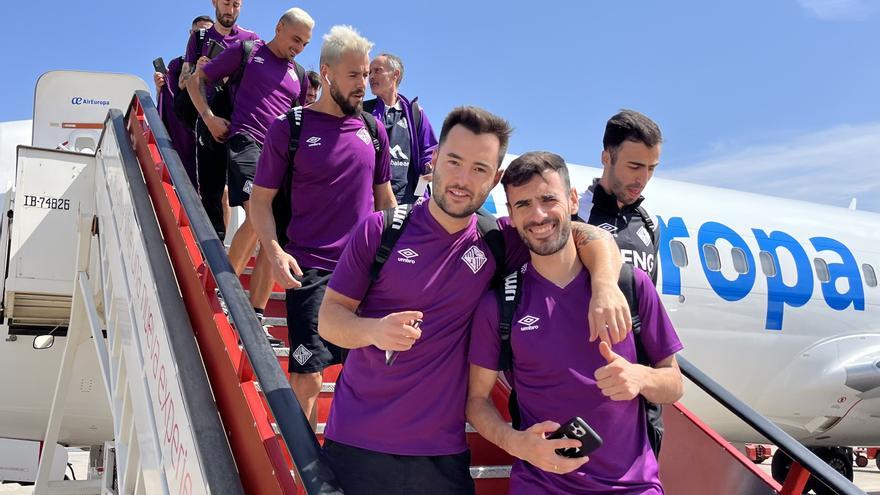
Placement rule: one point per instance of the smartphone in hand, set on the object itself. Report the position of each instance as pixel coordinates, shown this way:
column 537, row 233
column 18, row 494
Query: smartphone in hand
column 577, row 429
column 390, row 356
column 214, row 49
column 159, row 66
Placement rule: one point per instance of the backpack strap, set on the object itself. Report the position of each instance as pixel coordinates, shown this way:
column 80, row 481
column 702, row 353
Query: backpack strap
column 247, row 48
column 373, row 128
column 508, row 294
column 203, row 33
column 300, row 76
column 487, row 225
column 417, row 115
column 294, row 118
column 646, row 219
column 396, row 220
column 370, row 105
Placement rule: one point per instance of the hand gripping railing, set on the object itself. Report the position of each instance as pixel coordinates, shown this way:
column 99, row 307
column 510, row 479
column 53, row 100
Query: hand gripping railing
column 200, row 259
column 805, row 462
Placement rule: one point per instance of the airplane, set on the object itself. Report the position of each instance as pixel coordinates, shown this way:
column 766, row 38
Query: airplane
column 776, row 299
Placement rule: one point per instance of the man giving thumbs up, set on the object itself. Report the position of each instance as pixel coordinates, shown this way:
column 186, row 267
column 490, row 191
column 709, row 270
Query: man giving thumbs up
column 558, row 373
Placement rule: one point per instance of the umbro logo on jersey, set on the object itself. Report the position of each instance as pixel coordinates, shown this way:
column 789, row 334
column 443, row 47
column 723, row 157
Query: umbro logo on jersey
column 402, row 123
column 474, row 258
column 364, row 135
column 259, row 60
column 314, row 141
column 528, row 323
column 407, row 256
column 608, row 227
column 397, row 153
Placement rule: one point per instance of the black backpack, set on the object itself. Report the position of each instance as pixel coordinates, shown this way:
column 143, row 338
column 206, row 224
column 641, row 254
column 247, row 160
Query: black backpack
column 397, row 218
column 281, row 203
column 509, row 294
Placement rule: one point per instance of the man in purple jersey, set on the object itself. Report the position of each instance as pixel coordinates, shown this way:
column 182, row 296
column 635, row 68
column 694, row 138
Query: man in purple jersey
column 336, row 180
column 267, row 87
column 182, row 137
column 400, row 428
column 557, row 374
column 211, row 155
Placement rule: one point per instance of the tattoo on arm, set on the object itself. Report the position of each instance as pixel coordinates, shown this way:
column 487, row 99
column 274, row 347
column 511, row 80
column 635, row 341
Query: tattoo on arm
column 585, row 234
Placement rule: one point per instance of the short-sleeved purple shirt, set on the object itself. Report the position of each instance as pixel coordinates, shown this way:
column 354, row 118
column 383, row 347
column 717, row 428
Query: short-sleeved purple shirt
column 236, row 35
column 553, row 375
column 268, row 87
column 416, row 406
column 334, row 173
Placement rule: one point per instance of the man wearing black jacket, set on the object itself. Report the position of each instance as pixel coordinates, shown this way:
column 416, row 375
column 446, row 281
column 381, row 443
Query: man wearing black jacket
column 613, row 202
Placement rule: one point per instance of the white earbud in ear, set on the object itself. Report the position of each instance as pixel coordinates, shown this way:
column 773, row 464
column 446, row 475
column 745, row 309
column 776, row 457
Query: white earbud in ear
column 328, row 80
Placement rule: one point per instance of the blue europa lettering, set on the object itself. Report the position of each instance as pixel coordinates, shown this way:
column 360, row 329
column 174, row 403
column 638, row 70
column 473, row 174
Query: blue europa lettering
column 779, row 294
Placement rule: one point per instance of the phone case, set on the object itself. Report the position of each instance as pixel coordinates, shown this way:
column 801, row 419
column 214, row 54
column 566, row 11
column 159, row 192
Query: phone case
column 577, row 429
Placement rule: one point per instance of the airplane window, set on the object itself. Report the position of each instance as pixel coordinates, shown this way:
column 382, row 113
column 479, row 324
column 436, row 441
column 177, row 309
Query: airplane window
column 821, row 270
column 870, row 276
column 768, row 264
column 713, row 260
column 739, row 260
column 679, row 254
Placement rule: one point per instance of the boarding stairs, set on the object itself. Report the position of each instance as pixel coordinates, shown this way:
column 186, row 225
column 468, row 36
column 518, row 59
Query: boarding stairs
column 200, row 401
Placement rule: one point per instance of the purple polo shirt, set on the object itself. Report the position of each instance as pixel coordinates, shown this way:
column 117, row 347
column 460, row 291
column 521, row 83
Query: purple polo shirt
column 416, row 406
column 236, row 35
column 334, row 172
column 553, row 375
column 268, row 88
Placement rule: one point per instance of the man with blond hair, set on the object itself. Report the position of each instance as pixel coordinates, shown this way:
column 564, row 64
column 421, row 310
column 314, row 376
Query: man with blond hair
column 339, row 174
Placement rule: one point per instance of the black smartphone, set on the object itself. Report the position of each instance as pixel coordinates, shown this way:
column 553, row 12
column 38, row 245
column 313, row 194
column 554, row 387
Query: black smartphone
column 214, row 49
column 577, row 429
column 159, row 65
column 390, row 356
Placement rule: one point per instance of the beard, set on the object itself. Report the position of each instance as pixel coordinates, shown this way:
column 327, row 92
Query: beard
column 439, row 197
column 344, row 103
column 548, row 246
column 225, row 20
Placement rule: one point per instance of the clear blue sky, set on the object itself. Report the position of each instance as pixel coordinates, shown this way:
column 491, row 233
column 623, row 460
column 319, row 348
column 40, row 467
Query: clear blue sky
column 740, row 89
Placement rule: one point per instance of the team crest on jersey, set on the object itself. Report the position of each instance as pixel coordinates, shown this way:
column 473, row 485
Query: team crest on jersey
column 301, row 354
column 364, row 135
column 608, row 227
column 259, row 60
column 644, row 235
column 474, row 258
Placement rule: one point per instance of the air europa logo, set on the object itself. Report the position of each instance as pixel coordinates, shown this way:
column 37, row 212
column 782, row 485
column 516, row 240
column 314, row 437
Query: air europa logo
column 79, row 100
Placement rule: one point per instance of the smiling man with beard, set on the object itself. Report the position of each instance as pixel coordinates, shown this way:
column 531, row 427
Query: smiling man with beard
column 400, row 428
column 336, row 179
column 631, row 152
column 556, row 373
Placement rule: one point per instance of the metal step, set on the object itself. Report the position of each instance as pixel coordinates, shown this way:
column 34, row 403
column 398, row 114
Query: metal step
column 278, row 296
column 490, row 472
column 274, row 321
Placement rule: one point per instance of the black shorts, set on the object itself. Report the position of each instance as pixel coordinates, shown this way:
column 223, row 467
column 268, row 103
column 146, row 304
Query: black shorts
column 211, row 167
column 361, row 471
column 309, row 353
column 242, row 153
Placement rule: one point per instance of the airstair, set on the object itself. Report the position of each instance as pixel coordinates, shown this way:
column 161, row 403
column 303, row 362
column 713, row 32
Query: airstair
column 199, row 401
